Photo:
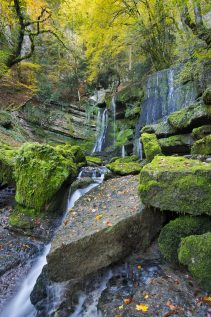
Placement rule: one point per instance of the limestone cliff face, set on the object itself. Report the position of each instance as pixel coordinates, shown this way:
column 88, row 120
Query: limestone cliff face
column 57, row 122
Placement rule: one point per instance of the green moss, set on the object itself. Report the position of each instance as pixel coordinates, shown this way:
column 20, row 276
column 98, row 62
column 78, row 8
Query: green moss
column 185, row 118
column 207, row 96
column 171, row 235
column 201, row 132
column 5, row 119
column 7, row 164
column 151, row 146
column 94, row 160
column 177, row 184
column 23, row 218
column 40, row 170
column 195, row 252
column 130, row 94
column 176, row 144
column 202, row 146
column 125, row 166
column 161, row 129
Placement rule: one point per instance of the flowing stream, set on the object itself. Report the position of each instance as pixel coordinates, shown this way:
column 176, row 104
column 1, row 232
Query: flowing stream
column 20, row 305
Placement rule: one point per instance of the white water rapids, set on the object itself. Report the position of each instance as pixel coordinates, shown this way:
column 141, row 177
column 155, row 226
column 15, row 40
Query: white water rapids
column 20, row 305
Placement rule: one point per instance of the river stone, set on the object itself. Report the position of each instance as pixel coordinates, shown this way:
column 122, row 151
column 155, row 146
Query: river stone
column 103, row 228
column 177, row 184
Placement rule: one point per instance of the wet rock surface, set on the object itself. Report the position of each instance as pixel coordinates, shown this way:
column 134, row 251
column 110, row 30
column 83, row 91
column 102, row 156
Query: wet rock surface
column 145, row 285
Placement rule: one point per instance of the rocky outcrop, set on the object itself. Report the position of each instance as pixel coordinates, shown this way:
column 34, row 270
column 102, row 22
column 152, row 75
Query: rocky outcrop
column 176, row 144
column 187, row 119
column 57, row 122
column 103, row 228
column 177, row 184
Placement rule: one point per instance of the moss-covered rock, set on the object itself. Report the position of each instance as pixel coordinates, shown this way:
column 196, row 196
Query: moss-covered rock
column 40, row 171
column 7, row 164
column 207, row 96
column 202, row 146
column 195, row 252
column 161, row 129
column 93, row 160
column 177, row 184
column 172, row 233
column 151, row 146
column 125, row 166
column 188, row 118
column 180, row 144
column 201, row 132
column 130, row 94
column 5, row 119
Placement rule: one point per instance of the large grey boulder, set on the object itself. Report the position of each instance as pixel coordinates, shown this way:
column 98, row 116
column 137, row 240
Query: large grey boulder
column 104, row 227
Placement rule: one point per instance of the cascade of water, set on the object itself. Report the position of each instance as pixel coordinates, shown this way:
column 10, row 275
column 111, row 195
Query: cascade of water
column 138, row 148
column 102, row 125
column 113, row 105
column 123, row 151
column 87, row 307
column 20, row 305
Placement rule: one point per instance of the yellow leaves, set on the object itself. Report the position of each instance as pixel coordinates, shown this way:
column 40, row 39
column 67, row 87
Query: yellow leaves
column 120, row 307
column 207, row 298
column 142, row 307
column 139, row 267
column 98, row 217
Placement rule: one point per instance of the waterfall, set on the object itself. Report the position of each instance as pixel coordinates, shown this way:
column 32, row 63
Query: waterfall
column 113, row 106
column 20, row 305
column 102, row 125
column 164, row 94
column 138, row 148
column 123, row 151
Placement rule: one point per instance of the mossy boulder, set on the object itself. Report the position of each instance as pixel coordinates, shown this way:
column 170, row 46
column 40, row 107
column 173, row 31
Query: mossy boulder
column 172, row 233
column 177, row 184
column 201, row 132
column 207, row 96
column 125, row 166
column 202, row 146
column 195, row 252
column 93, row 160
column 7, row 164
column 188, row 118
column 151, row 146
column 180, row 144
column 40, row 171
column 161, row 129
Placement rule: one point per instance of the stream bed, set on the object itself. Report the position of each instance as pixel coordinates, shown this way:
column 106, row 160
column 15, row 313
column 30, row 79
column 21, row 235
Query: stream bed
column 140, row 285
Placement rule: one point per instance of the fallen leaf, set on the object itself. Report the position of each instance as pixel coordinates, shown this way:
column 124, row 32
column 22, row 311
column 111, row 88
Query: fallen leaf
column 109, row 224
column 98, row 217
column 120, row 307
column 139, row 267
column 127, row 301
column 142, row 307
